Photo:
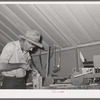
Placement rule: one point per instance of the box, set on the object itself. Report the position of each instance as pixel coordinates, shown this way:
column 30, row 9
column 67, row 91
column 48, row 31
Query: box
column 96, row 61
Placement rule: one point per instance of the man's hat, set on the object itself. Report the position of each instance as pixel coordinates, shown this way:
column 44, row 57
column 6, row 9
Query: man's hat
column 32, row 36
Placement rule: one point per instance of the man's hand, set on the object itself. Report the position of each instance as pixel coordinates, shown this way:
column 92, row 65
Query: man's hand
column 25, row 66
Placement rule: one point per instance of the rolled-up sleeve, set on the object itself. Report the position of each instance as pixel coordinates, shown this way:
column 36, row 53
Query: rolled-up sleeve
column 7, row 53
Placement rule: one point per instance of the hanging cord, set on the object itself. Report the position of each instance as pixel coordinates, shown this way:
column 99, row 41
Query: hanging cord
column 35, row 64
column 40, row 60
column 51, row 54
column 55, row 57
column 57, row 67
column 59, row 60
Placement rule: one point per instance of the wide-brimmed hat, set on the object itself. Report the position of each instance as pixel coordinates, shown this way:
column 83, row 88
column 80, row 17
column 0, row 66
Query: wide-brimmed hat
column 32, row 36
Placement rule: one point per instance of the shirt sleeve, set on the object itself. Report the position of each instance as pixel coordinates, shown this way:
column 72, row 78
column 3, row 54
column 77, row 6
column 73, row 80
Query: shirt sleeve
column 7, row 52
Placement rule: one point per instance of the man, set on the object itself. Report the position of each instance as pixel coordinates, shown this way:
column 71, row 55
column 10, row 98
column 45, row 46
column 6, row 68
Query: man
column 14, row 60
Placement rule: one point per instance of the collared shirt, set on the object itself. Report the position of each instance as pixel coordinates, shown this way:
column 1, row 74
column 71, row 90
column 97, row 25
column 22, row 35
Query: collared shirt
column 12, row 53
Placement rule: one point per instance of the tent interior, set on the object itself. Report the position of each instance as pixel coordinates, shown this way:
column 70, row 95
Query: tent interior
column 70, row 39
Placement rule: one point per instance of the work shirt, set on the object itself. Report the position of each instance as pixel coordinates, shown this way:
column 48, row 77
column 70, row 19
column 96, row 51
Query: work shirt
column 12, row 53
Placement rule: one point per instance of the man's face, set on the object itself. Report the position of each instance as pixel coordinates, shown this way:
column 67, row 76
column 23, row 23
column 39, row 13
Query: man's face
column 28, row 46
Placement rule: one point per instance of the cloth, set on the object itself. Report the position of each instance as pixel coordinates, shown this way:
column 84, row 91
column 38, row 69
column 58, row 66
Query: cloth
column 12, row 53
column 13, row 83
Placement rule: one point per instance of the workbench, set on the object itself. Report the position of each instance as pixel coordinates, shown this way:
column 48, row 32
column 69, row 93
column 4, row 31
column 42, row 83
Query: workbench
column 69, row 86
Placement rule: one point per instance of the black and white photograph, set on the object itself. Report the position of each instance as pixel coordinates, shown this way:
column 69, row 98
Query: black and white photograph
column 50, row 46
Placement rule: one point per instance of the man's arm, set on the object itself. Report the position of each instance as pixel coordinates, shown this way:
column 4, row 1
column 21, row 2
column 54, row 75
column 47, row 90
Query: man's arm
column 10, row 66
